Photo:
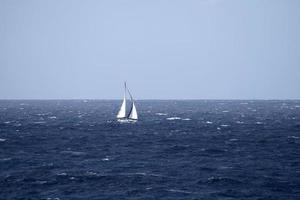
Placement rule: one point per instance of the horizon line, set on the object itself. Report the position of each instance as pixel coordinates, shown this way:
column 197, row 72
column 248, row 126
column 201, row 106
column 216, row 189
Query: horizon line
column 154, row 99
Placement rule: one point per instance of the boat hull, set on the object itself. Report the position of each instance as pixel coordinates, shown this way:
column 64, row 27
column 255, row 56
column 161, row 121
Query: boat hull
column 127, row 120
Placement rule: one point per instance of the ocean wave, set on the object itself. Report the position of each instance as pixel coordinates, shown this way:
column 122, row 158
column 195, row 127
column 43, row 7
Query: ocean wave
column 224, row 125
column 105, row 159
column 293, row 137
column 40, row 182
column 39, row 122
column 223, row 180
column 179, row 191
column 41, row 114
column 142, row 174
column 186, row 119
column 173, row 118
column 5, row 159
column 74, row 153
column 62, row 174
column 90, row 173
column 161, row 114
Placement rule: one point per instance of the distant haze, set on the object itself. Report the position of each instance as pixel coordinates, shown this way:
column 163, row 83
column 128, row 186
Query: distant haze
column 165, row 49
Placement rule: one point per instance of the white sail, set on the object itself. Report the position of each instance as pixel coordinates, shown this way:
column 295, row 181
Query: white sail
column 122, row 111
column 133, row 113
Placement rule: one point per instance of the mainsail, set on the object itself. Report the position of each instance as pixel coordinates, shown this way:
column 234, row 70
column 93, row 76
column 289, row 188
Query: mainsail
column 122, row 111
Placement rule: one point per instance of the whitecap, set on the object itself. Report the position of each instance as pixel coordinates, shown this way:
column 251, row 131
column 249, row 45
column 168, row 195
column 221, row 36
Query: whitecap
column 294, row 137
column 258, row 123
column 239, row 122
column 75, row 153
column 62, row 174
column 141, row 173
column 208, row 122
column 161, row 114
column 7, row 122
column 105, row 159
column 186, row 119
column 2, row 140
column 225, row 167
column 5, row 159
column 297, row 106
column 225, row 111
column 41, row 182
column 39, row 122
column 91, row 173
column 178, row 191
column 145, row 174
column 212, row 178
column 173, row 118
column 52, row 117
column 224, row 125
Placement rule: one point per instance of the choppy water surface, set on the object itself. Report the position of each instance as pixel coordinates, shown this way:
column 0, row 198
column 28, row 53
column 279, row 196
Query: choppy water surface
column 177, row 150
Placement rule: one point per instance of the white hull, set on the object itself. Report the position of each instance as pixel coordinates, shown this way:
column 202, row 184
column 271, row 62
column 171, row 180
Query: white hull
column 127, row 120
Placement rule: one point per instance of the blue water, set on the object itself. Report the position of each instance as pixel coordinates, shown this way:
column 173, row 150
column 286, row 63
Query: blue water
column 177, row 150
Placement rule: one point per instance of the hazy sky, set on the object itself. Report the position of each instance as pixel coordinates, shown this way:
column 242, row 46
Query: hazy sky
column 165, row 49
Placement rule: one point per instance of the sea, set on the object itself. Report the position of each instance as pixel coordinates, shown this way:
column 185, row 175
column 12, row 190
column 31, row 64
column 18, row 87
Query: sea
column 178, row 149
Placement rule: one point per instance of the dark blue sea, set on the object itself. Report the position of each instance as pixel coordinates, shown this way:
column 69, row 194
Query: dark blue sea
column 206, row 149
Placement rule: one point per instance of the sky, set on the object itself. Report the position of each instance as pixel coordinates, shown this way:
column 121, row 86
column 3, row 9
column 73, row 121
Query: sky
column 164, row 49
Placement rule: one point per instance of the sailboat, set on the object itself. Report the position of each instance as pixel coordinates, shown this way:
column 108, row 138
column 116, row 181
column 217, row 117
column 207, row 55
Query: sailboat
column 132, row 116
